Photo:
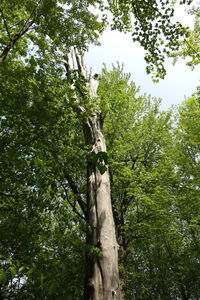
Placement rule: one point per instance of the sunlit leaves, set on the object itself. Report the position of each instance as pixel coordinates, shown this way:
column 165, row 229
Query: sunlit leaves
column 151, row 25
column 38, row 129
column 61, row 25
column 155, row 189
column 189, row 48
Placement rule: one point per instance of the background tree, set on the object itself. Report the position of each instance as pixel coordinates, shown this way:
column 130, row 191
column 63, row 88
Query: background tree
column 138, row 139
column 190, row 47
column 187, row 162
column 37, row 134
column 158, row 259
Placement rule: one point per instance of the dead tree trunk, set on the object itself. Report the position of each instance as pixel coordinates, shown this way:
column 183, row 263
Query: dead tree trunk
column 102, row 276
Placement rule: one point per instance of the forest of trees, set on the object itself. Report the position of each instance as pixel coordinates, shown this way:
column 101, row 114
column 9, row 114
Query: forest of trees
column 99, row 187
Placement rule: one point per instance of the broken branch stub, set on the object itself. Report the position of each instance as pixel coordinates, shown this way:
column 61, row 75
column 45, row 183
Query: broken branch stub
column 74, row 62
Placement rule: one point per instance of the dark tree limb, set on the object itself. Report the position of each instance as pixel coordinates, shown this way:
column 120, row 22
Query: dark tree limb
column 73, row 205
column 28, row 23
column 74, row 189
column 5, row 24
column 12, row 42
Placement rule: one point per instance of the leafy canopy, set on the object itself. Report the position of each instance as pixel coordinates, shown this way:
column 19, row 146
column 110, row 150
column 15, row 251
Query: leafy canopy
column 55, row 26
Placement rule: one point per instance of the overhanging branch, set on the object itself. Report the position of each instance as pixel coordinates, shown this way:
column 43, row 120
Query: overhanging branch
column 12, row 42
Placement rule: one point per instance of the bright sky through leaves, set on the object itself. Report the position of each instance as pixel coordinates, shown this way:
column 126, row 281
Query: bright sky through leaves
column 180, row 81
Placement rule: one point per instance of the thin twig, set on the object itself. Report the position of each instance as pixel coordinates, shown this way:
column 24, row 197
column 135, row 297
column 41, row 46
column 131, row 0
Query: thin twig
column 5, row 23
column 75, row 191
column 72, row 204
column 24, row 29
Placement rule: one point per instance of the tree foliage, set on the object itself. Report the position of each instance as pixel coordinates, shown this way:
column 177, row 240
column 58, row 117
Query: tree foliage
column 189, row 48
column 152, row 26
column 153, row 165
column 58, row 25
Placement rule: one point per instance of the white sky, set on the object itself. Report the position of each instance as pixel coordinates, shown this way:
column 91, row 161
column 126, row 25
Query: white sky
column 180, row 81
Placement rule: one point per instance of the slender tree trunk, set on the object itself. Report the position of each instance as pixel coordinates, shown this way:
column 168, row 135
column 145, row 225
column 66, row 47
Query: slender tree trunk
column 102, row 275
column 102, row 278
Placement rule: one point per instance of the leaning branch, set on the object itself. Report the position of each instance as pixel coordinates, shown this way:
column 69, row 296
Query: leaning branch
column 73, row 205
column 17, row 36
column 12, row 42
column 5, row 24
column 74, row 189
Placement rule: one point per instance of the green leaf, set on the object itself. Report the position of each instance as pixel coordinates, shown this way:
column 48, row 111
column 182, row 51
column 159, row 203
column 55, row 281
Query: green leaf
column 102, row 168
column 3, row 277
column 13, row 270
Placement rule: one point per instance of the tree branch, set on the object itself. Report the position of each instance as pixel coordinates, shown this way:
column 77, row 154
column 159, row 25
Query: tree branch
column 80, row 64
column 73, row 205
column 74, row 189
column 72, row 95
column 5, row 23
column 12, row 42
column 23, row 31
column 7, row 195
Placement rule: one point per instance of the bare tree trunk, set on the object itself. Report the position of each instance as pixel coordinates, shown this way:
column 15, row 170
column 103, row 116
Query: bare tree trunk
column 102, row 278
column 102, row 275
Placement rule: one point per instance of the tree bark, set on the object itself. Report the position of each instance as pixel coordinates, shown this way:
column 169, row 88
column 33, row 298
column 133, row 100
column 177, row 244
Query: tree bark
column 102, row 275
column 102, row 278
